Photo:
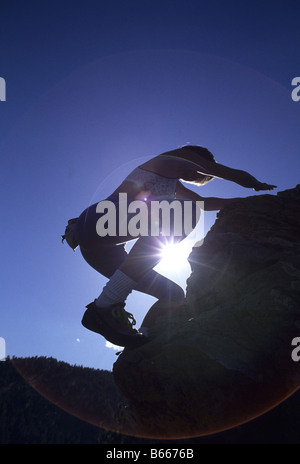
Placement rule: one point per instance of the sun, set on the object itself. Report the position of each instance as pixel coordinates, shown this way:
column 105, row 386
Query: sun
column 174, row 258
column 174, row 254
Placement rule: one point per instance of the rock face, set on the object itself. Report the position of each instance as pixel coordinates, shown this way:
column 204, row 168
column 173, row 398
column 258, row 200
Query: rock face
column 225, row 355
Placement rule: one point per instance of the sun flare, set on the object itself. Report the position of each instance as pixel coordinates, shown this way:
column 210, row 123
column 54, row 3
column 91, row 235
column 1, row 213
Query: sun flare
column 174, row 256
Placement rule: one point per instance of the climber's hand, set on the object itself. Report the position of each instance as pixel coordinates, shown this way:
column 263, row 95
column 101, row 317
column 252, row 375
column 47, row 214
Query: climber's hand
column 264, row 186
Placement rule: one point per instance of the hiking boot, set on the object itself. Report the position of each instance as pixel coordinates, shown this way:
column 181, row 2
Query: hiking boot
column 113, row 323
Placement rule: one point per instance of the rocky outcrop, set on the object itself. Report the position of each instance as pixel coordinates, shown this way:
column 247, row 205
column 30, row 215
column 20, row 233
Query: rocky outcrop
column 224, row 356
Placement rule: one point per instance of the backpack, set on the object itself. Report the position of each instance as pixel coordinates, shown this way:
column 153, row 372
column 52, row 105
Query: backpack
column 69, row 235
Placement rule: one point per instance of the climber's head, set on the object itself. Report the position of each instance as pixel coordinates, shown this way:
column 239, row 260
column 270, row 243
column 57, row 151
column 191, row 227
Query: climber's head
column 204, row 153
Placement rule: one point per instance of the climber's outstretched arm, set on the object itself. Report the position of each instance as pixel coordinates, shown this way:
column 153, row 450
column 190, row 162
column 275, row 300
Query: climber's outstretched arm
column 193, row 164
column 240, row 177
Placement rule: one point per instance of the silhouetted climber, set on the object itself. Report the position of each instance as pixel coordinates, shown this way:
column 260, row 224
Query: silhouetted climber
column 156, row 180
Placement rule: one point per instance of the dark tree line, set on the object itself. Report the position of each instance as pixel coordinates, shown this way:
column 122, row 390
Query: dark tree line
column 27, row 417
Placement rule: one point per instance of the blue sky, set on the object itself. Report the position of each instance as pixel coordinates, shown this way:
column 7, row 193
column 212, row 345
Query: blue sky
column 92, row 89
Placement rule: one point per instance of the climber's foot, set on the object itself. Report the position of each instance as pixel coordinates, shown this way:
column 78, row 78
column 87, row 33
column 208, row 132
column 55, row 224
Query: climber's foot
column 113, row 323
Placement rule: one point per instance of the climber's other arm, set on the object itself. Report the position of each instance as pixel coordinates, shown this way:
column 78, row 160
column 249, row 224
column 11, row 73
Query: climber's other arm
column 209, row 203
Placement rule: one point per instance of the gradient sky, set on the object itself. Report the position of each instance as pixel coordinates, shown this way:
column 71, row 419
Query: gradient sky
column 92, row 89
